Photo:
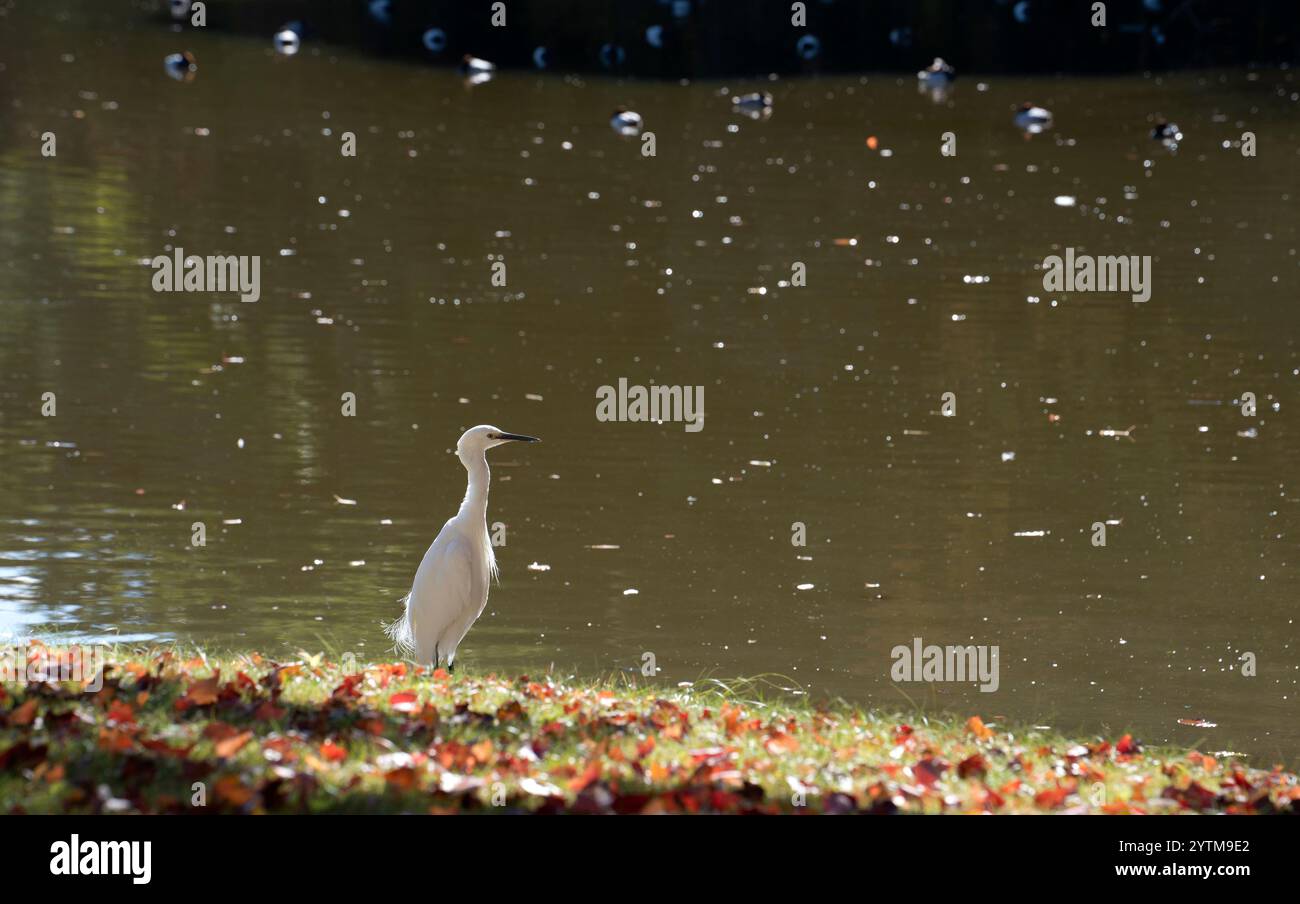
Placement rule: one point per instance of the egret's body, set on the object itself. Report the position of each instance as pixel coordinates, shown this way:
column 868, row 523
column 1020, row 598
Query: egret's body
column 450, row 588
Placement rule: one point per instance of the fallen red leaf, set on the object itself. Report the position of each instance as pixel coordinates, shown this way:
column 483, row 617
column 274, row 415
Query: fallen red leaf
column 404, row 778
column 781, row 743
column 929, row 770
column 231, row 790
column 973, row 765
column 23, row 715
column 199, row 693
column 230, row 746
column 1195, row 796
column 403, row 703
column 1051, row 797
column 268, row 712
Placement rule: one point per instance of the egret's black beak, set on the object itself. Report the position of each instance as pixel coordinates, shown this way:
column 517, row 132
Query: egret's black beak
column 519, row 437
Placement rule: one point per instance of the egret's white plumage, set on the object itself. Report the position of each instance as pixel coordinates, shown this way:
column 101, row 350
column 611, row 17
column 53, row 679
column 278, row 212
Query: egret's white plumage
column 451, row 584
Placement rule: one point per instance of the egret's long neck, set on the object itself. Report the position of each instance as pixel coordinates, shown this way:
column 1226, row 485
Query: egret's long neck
column 473, row 510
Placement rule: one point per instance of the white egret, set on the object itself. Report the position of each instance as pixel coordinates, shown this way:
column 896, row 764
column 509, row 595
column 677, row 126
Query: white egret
column 451, row 585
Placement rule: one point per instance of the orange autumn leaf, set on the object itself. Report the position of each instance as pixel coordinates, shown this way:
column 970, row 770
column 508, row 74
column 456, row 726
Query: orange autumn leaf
column 232, row 791
column 1051, row 797
column 121, row 713
column 404, row 778
column 24, row 714
column 781, row 743
column 333, row 752
column 114, row 741
column 268, row 712
column 975, row 725
column 202, row 693
column 482, row 751
column 591, row 774
column 230, row 746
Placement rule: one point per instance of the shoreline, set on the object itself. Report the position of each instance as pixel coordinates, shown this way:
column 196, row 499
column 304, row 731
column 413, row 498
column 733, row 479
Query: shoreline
column 174, row 730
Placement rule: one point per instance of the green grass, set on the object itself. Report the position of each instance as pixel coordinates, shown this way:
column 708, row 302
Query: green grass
column 179, row 731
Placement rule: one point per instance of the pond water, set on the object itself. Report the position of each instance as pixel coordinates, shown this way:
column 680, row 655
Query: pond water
column 823, row 401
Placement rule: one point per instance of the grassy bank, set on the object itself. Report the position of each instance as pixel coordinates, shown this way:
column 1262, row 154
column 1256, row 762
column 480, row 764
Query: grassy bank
column 175, row 731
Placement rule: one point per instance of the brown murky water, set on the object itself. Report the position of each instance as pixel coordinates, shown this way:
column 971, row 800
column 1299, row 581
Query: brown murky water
column 823, row 402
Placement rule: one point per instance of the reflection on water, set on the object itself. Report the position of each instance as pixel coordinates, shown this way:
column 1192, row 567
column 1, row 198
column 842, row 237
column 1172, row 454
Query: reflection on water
column 823, row 401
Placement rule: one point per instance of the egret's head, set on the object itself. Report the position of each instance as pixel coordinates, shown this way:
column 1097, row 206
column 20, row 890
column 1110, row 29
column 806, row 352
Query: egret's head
column 477, row 440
